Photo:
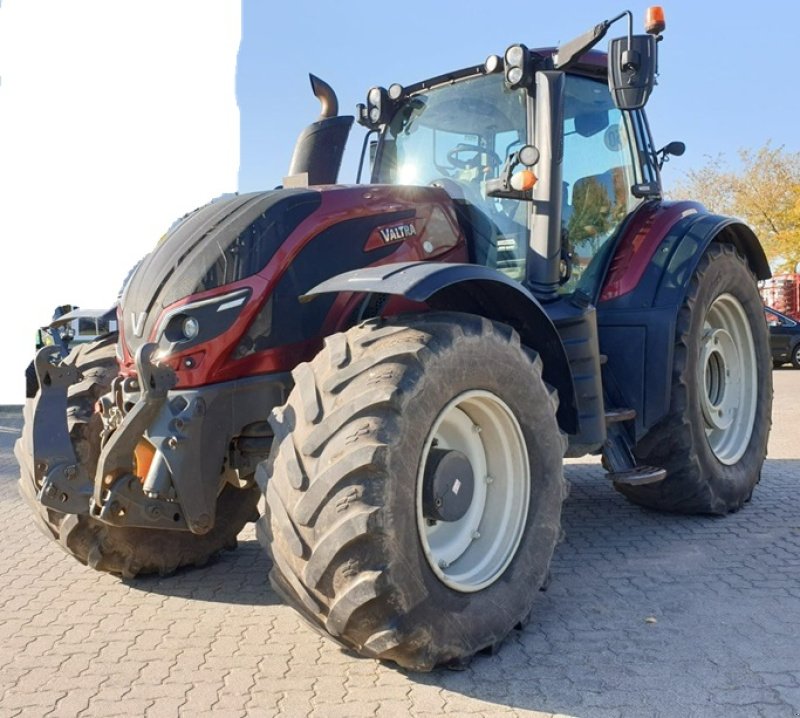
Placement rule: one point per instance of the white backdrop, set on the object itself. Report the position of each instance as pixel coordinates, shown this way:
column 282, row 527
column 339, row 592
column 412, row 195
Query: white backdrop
column 115, row 119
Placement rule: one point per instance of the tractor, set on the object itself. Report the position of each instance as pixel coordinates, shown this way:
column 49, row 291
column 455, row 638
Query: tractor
column 400, row 366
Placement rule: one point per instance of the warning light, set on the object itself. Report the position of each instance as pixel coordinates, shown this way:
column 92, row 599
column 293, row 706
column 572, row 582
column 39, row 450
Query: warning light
column 523, row 181
column 654, row 22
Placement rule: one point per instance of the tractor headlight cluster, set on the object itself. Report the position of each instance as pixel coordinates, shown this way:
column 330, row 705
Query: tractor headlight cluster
column 381, row 104
column 198, row 322
column 518, row 67
column 377, row 101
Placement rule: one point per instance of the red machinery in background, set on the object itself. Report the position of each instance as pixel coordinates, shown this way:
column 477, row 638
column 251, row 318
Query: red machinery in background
column 782, row 292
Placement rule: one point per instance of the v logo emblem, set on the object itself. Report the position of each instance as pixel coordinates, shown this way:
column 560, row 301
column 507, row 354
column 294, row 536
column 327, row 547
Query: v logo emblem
column 137, row 323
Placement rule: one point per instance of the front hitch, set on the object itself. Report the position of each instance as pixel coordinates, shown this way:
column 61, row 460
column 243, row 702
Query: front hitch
column 118, row 498
column 190, row 432
column 65, row 483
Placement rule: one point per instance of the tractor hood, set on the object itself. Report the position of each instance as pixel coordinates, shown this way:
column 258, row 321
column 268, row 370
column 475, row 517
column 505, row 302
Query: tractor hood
column 218, row 244
column 219, row 295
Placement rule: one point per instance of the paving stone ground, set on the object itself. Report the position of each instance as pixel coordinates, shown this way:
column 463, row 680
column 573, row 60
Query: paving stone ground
column 646, row 615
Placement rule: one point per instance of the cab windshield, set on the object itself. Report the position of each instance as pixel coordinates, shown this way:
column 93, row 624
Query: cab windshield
column 455, row 137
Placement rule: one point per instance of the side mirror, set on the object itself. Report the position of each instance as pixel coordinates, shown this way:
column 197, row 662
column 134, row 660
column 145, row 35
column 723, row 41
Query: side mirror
column 673, row 149
column 632, row 65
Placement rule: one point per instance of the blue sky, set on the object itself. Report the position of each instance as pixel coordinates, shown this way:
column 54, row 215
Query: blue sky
column 724, row 68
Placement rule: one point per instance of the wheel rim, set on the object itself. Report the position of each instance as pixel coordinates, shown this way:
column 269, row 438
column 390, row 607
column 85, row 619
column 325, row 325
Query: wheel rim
column 728, row 377
column 797, row 355
column 473, row 552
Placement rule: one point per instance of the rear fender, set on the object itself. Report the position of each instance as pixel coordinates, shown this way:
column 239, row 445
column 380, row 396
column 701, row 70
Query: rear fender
column 637, row 327
column 474, row 289
column 689, row 250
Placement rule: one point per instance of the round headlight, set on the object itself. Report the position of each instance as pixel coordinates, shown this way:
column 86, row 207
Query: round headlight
column 190, row 327
column 529, row 155
column 374, row 96
column 514, row 75
column 492, row 64
column 515, row 55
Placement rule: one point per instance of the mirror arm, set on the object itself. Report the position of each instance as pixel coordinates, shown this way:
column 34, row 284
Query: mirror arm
column 501, row 187
column 570, row 51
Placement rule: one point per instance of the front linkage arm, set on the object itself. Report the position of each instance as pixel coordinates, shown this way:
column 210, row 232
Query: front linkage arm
column 65, row 483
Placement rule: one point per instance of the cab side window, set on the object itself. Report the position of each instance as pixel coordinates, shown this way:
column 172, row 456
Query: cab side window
column 599, row 170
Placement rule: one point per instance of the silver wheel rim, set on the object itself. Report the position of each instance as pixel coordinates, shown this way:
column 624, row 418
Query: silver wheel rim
column 728, row 379
column 472, row 553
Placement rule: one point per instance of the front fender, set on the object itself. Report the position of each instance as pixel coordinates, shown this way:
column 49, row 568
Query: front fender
column 475, row 289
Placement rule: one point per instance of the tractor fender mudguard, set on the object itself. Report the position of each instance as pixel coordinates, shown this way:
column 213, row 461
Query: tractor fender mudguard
column 474, row 289
column 637, row 329
column 687, row 251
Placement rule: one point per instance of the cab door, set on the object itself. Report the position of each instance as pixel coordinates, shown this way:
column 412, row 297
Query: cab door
column 602, row 165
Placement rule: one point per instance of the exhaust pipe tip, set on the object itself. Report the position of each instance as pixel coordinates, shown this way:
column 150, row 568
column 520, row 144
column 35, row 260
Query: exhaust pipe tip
column 326, row 96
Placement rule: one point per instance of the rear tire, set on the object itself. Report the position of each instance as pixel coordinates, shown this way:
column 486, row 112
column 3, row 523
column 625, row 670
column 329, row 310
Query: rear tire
column 347, row 525
column 713, row 442
column 796, row 357
column 123, row 551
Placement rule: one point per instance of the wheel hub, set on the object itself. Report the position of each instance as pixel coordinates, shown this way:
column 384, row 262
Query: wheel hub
column 721, row 362
column 448, row 486
column 473, row 491
column 727, row 375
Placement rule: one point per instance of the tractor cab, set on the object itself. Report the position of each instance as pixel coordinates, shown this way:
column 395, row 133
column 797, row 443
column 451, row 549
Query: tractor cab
column 463, row 132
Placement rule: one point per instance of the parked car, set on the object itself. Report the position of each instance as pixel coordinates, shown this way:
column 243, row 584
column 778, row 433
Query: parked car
column 70, row 326
column 784, row 338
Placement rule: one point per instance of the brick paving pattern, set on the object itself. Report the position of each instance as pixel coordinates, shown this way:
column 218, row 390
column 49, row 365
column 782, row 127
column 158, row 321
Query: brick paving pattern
column 646, row 615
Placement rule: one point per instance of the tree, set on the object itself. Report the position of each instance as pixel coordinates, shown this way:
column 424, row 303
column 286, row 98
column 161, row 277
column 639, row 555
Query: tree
column 764, row 191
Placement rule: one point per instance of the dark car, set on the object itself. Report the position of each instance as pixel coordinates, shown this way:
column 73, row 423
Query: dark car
column 784, row 338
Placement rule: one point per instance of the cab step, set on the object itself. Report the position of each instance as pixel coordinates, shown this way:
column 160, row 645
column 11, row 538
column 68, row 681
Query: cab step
column 638, row 476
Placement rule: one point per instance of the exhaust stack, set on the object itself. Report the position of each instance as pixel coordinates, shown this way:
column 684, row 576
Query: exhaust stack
column 319, row 149
column 326, row 96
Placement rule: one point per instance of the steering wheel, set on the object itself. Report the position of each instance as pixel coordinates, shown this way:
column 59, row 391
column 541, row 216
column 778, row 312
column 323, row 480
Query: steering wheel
column 475, row 161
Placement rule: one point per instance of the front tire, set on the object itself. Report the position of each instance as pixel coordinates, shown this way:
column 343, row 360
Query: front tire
column 127, row 552
column 796, row 357
column 361, row 543
column 31, row 382
column 713, row 441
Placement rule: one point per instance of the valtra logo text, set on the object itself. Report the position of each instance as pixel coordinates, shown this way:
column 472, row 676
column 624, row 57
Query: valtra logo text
column 398, row 232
